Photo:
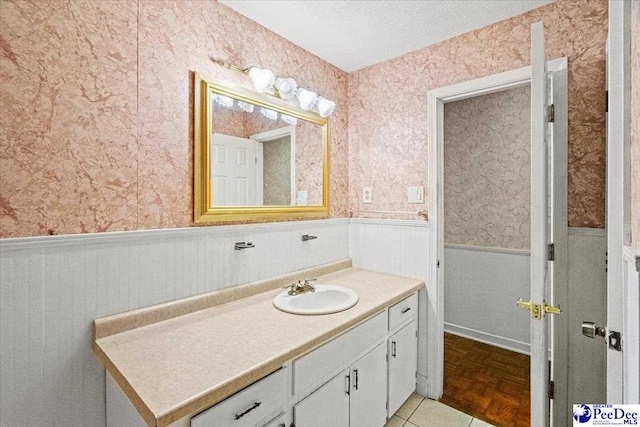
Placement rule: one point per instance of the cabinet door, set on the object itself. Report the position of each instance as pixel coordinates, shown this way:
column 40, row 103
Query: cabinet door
column 369, row 389
column 327, row 406
column 403, row 358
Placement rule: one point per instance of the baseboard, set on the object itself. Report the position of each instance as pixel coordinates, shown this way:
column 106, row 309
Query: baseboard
column 421, row 385
column 506, row 343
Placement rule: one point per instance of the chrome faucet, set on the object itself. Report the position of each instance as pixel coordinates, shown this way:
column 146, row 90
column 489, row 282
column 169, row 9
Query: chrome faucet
column 301, row 287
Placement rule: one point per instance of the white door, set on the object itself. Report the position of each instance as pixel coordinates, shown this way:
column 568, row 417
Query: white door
column 540, row 231
column 233, row 171
column 623, row 366
column 369, row 389
column 327, row 406
column 403, row 359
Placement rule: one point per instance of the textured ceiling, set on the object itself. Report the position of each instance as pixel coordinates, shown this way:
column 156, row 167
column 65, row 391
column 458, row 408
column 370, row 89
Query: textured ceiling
column 354, row 34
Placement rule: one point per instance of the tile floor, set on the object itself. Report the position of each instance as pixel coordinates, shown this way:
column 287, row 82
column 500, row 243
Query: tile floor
column 418, row 411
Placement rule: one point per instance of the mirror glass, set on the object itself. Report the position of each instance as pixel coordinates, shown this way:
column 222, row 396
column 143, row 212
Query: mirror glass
column 261, row 157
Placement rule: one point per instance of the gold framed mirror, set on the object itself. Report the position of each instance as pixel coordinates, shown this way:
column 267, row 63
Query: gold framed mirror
column 256, row 156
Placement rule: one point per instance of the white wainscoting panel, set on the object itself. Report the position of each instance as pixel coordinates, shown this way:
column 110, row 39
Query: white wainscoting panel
column 481, row 287
column 587, row 302
column 52, row 288
column 631, row 322
column 396, row 247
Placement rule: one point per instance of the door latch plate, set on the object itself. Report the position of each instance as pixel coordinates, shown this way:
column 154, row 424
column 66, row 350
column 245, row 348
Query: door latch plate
column 615, row 341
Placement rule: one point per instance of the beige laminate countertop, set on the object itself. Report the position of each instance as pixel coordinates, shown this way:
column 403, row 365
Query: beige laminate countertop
column 183, row 365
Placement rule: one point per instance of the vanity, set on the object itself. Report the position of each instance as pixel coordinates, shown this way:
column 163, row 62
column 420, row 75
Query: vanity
column 231, row 358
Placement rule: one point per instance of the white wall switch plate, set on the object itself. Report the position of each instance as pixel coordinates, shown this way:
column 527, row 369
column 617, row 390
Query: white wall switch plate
column 415, row 195
column 367, row 195
column 302, row 197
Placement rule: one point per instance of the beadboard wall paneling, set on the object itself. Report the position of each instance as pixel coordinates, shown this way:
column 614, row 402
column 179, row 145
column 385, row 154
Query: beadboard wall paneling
column 631, row 329
column 481, row 287
column 587, row 301
column 52, row 288
column 397, row 247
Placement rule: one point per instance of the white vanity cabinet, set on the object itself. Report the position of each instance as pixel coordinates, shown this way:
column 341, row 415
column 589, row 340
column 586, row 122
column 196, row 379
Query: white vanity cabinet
column 358, row 379
column 368, row 395
column 327, row 406
column 354, row 398
column 403, row 358
column 251, row 405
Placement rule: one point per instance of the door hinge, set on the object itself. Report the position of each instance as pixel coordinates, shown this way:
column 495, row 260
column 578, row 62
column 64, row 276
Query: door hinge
column 552, row 391
column 606, row 102
column 438, row 264
column 551, row 113
column 606, row 262
column 551, row 252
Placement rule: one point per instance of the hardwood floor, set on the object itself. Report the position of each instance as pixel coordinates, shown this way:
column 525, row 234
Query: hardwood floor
column 487, row 382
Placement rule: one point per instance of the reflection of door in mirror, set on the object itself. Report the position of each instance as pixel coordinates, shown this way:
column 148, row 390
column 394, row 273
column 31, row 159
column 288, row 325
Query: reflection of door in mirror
column 276, row 166
column 234, row 179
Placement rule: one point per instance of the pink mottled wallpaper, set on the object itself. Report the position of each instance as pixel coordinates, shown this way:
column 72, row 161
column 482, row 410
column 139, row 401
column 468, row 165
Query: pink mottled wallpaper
column 96, row 130
column 388, row 104
column 487, row 170
column 635, row 124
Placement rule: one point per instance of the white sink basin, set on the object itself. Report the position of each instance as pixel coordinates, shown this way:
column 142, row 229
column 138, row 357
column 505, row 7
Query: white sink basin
column 326, row 299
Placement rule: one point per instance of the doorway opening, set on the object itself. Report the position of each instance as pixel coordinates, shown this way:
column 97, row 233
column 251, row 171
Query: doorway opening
column 486, row 333
column 487, row 204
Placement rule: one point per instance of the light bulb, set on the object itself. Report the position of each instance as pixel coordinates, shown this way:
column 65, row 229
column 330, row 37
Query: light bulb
column 289, row 120
column 307, row 99
column 263, row 80
column 246, row 107
column 269, row 114
column 325, row 107
column 287, row 88
column 222, row 100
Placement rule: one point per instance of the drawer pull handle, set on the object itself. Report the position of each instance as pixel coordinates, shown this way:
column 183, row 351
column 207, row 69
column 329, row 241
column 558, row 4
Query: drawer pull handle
column 255, row 405
column 348, row 383
column 355, row 382
column 405, row 310
column 393, row 348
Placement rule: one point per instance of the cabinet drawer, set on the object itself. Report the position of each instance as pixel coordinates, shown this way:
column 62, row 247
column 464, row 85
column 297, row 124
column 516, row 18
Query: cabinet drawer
column 403, row 311
column 247, row 407
column 321, row 362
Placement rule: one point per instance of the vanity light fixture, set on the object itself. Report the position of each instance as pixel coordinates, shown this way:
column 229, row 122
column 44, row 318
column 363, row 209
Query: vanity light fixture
column 287, row 88
column 262, row 79
column 265, row 81
column 222, row 100
column 325, row 107
column 246, row 107
column 289, row 120
column 307, row 99
column 269, row 114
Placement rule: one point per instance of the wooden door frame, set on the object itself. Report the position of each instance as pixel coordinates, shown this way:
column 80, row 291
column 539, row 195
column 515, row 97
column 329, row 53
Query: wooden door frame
column 435, row 283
